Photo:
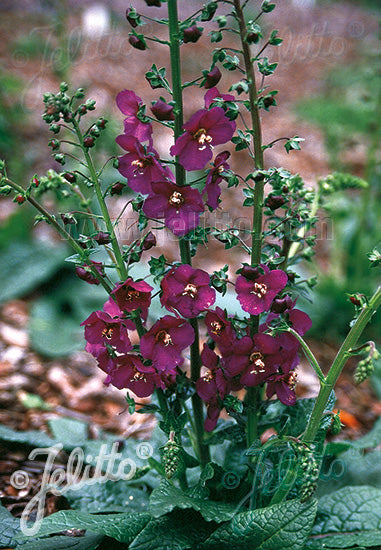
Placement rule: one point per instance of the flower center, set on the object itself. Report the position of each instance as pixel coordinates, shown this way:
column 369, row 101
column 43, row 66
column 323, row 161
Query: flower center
column 256, row 358
column 138, row 376
column 131, row 293
column 190, row 290
column 291, row 380
column 176, row 199
column 165, row 337
column 141, row 164
column 208, row 377
column 202, row 137
column 260, row 290
column 216, row 328
column 107, row 332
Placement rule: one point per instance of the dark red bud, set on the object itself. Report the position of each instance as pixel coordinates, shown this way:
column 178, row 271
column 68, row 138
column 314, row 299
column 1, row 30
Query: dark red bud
column 291, row 276
column 88, row 141
column 275, row 201
column 156, row 3
column 192, row 34
column 117, row 188
column 251, row 273
column 54, row 144
column 355, row 301
column 149, row 241
column 162, row 111
column 212, row 78
column 268, row 101
column 102, row 123
column 102, row 238
column 20, row 199
column 70, row 177
column 36, row 182
column 68, row 219
column 68, row 117
column 131, row 20
column 82, row 109
column 136, row 42
column 252, row 37
column 280, row 305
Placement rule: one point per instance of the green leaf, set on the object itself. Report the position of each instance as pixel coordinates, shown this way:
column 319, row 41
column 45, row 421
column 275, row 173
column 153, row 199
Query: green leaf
column 9, row 527
column 122, row 527
column 349, row 517
column 167, row 497
column 70, row 432
column 34, row 438
column 179, row 530
column 89, row 541
column 281, row 526
column 293, row 143
column 24, row 266
column 112, row 496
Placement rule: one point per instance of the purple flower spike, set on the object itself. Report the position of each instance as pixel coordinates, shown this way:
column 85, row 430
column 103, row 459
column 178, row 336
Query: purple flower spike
column 132, row 295
column 179, row 206
column 214, row 178
column 204, row 130
column 256, row 296
column 140, row 165
column 101, row 330
column 165, row 341
column 187, row 290
column 129, row 103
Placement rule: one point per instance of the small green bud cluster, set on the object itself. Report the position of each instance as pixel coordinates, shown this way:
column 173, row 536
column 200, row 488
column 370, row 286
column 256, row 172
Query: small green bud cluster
column 365, row 367
column 339, row 182
column 336, row 424
column 309, row 471
column 173, row 460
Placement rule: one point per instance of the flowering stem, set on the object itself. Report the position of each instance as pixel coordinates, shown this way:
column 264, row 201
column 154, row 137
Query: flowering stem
column 51, row 219
column 310, row 356
column 338, row 365
column 253, row 394
column 174, row 36
column 121, row 268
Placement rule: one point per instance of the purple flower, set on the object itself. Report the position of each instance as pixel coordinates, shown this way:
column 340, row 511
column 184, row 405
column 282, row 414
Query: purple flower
column 254, row 359
column 179, row 206
column 162, row 111
column 220, row 329
column 256, row 296
column 212, row 94
column 132, row 295
column 214, row 178
column 112, row 308
column 129, row 372
column 129, row 103
column 187, row 290
column 284, row 386
column 140, row 165
column 165, row 341
column 102, row 330
column 204, row 130
column 84, row 272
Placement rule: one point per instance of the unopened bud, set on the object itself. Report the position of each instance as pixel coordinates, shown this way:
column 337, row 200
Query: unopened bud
column 162, row 111
column 20, row 199
column 275, row 201
column 88, row 141
column 212, row 78
column 192, row 34
column 136, row 42
column 70, row 177
column 117, row 188
column 149, row 241
column 102, row 238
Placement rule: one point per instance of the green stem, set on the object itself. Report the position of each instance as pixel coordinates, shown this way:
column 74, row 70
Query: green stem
column 338, row 365
column 309, row 355
column 174, row 36
column 121, row 267
column 256, row 235
column 60, row 230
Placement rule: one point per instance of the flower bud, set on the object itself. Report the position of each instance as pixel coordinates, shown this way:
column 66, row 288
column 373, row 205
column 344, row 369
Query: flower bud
column 162, row 111
column 275, row 201
column 94, row 131
column 60, row 158
column 20, row 199
column 55, row 128
column 64, row 87
column 54, row 144
column 192, row 34
column 68, row 219
column 70, row 177
column 131, row 17
column 149, row 241
column 212, row 78
column 269, row 100
column 136, row 42
column 156, row 3
column 117, row 188
column 88, row 141
column 115, row 163
column 82, row 109
column 80, row 93
column 208, row 11
column 101, row 123
column 251, row 273
column 252, row 37
column 102, row 238
column 35, row 181
column 68, row 117
column 280, row 305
